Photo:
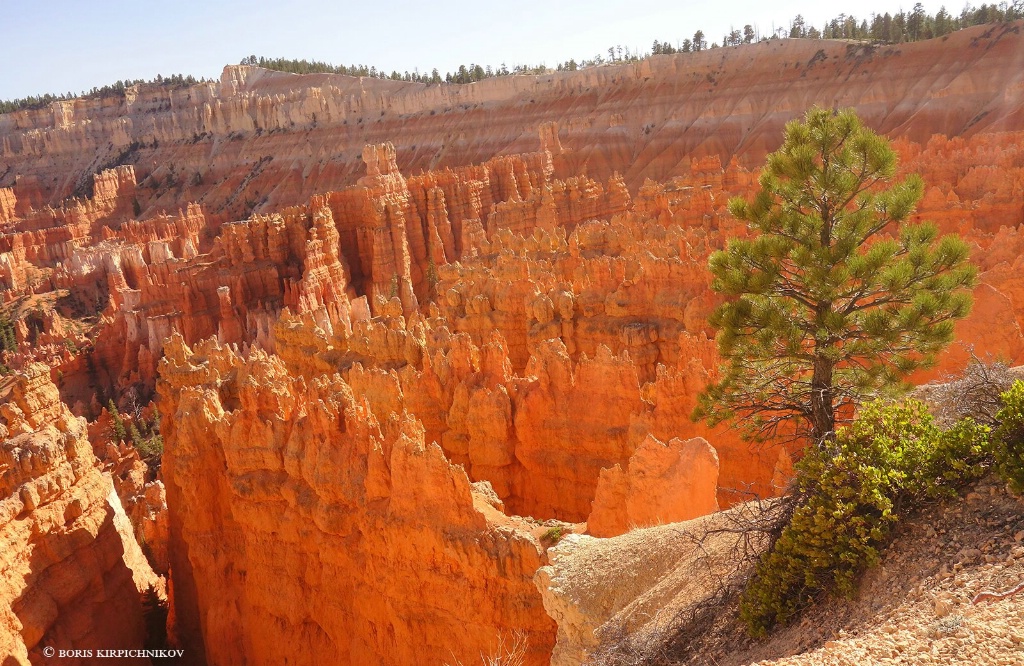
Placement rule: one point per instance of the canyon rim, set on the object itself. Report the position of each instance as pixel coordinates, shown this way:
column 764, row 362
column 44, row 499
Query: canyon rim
column 332, row 369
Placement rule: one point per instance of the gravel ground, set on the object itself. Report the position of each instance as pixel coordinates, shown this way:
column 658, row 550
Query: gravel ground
column 917, row 607
column 914, row 608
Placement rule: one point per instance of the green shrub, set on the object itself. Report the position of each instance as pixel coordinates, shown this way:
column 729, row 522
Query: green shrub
column 962, row 454
column 850, row 492
column 150, row 448
column 1009, row 439
column 8, row 339
column 554, row 535
column 117, row 429
column 148, row 441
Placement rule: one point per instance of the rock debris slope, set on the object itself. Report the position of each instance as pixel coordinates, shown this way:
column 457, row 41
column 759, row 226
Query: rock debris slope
column 625, row 596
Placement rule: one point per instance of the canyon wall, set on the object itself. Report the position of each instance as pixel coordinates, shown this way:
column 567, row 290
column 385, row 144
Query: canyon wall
column 264, row 140
column 396, row 347
column 305, row 530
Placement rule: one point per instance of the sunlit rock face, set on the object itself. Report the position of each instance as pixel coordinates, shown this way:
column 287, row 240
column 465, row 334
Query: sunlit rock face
column 304, row 529
column 267, row 139
column 73, row 575
column 403, row 336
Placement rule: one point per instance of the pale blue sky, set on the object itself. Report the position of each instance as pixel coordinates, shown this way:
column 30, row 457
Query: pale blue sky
column 72, row 45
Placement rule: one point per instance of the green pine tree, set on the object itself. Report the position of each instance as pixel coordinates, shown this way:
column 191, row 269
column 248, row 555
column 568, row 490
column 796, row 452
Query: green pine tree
column 117, row 429
column 833, row 298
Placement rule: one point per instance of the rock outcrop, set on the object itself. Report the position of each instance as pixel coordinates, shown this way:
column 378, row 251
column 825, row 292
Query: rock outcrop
column 305, row 529
column 936, row 597
column 602, row 590
column 663, row 483
column 73, row 574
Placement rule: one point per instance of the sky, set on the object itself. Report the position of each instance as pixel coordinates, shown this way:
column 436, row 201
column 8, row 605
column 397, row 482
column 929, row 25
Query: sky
column 64, row 46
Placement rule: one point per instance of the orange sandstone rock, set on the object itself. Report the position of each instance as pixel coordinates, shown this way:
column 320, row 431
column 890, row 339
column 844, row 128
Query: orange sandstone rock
column 662, row 483
column 571, row 423
column 305, row 529
column 73, row 573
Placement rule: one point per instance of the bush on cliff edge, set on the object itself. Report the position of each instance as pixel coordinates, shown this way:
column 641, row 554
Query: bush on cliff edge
column 1009, row 440
column 850, row 493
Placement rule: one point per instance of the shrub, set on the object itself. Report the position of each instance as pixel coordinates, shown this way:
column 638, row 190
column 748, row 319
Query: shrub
column 148, row 441
column 510, row 650
column 8, row 339
column 554, row 535
column 963, row 453
column 150, row 448
column 976, row 393
column 849, row 495
column 1009, row 439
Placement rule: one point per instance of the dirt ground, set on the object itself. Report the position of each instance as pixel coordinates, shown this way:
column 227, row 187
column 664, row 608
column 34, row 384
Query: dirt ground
column 914, row 608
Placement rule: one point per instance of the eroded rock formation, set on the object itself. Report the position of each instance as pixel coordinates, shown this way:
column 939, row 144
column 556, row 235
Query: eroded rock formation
column 396, row 376
column 305, row 530
column 69, row 553
column 663, row 483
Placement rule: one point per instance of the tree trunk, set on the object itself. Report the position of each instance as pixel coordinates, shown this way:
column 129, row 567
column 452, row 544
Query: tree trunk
column 823, row 415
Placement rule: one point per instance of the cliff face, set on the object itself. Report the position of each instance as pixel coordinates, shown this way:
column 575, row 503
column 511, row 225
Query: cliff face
column 69, row 554
column 385, row 392
column 505, row 300
column 305, row 530
column 267, row 139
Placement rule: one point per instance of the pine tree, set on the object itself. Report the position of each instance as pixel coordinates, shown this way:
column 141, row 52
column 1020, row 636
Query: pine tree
column 699, row 43
column 117, row 429
column 833, row 298
column 798, row 29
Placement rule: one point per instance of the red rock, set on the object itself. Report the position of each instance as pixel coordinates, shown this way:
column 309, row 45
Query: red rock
column 345, row 537
column 662, row 483
column 72, row 570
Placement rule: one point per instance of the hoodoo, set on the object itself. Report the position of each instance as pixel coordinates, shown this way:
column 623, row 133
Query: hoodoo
column 342, row 369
